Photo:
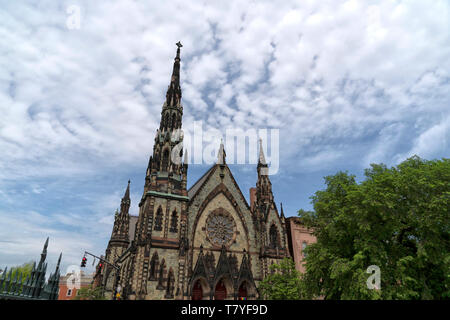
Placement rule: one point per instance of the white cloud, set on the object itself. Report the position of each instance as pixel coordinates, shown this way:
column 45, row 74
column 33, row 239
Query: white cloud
column 347, row 82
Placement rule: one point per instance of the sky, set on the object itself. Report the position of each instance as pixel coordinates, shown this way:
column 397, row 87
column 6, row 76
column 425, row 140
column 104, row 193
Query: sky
column 82, row 83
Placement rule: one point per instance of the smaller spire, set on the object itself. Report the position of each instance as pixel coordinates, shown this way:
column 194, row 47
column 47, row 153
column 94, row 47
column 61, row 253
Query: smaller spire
column 282, row 213
column 262, row 159
column 221, row 155
column 127, row 192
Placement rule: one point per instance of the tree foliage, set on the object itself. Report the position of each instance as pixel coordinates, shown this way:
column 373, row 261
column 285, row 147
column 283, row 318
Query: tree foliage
column 22, row 272
column 397, row 219
column 283, row 283
column 89, row 293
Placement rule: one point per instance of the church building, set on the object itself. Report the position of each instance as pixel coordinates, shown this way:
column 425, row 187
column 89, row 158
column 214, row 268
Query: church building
column 205, row 242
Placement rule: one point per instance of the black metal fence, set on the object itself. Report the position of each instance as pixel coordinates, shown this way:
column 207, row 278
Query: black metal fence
column 13, row 285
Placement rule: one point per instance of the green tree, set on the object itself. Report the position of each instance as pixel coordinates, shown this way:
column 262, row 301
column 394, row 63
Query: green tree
column 24, row 270
column 89, row 293
column 283, row 283
column 397, row 219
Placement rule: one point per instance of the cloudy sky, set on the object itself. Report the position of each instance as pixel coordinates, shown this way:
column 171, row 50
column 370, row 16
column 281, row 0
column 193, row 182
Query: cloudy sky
column 346, row 83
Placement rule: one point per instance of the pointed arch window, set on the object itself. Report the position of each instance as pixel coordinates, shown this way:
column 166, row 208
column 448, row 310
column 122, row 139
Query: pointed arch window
column 273, row 236
column 158, row 219
column 174, row 222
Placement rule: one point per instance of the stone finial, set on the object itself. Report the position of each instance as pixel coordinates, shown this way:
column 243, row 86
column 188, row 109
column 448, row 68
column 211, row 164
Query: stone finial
column 262, row 158
column 221, row 155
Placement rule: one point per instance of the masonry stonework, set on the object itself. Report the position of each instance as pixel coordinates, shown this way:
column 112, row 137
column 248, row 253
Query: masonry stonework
column 205, row 242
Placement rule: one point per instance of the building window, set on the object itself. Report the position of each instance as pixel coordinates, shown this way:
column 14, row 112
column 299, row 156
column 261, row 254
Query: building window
column 158, row 219
column 69, row 292
column 304, row 245
column 273, row 235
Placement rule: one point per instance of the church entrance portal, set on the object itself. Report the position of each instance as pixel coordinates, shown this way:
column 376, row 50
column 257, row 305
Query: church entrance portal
column 197, row 291
column 242, row 293
column 221, row 292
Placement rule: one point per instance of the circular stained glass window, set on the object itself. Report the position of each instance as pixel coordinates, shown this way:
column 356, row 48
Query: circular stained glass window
column 220, row 227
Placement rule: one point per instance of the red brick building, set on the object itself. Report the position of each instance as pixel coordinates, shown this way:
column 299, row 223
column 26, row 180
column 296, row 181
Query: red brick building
column 299, row 237
column 67, row 291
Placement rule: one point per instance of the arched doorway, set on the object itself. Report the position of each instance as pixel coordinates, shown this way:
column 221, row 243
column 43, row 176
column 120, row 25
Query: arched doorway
column 220, row 293
column 197, row 291
column 242, row 292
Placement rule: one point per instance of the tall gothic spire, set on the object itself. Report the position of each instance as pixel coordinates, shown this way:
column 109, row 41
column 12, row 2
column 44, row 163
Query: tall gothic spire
column 165, row 172
column 173, row 95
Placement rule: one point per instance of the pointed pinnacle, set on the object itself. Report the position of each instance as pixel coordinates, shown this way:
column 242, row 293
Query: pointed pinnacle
column 262, row 159
column 127, row 192
column 59, row 260
column 221, row 155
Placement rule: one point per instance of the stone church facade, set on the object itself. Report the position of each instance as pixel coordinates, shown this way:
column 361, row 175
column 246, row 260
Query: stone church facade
column 205, row 242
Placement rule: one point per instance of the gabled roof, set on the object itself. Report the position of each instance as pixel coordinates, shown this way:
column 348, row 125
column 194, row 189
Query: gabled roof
column 196, row 186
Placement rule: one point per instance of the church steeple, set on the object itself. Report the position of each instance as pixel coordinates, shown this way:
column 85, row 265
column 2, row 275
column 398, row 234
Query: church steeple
column 165, row 169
